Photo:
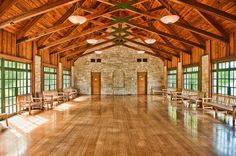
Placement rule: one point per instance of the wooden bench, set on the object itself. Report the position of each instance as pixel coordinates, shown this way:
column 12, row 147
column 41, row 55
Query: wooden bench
column 28, row 101
column 72, row 92
column 221, row 103
column 191, row 97
column 51, row 98
column 5, row 116
column 169, row 93
column 157, row 90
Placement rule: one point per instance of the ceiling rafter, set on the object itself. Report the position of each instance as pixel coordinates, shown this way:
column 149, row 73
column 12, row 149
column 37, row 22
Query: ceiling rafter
column 7, row 4
column 207, row 9
column 182, row 25
column 28, row 26
column 59, row 27
column 35, row 12
column 59, row 21
column 213, row 23
column 173, row 11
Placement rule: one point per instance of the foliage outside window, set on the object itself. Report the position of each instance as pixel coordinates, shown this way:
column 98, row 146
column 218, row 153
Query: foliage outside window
column 50, row 78
column 224, row 78
column 172, row 79
column 191, row 78
column 66, row 79
column 15, row 80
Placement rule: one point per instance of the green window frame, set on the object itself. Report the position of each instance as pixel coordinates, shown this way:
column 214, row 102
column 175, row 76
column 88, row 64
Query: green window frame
column 66, row 78
column 50, row 78
column 224, row 78
column 172, row 78
column 15, row 78
column 191, row 78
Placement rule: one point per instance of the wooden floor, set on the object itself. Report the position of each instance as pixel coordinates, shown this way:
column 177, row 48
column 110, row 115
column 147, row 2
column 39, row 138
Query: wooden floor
column 119, row 126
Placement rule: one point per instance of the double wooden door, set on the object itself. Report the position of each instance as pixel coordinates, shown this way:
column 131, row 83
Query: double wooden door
column 96, row 83
column 142, row 83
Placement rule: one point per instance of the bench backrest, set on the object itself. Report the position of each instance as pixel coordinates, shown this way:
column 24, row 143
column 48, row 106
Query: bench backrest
column 26, row 97
column 50, row 93
column 70, row 90
column 224, row 99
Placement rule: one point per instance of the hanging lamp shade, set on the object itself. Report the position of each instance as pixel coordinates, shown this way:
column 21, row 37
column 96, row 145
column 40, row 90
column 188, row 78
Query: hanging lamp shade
column 98, row 52
column 140, row 52
column 75, row 19
column 169, row 19
column 92, row 41
column 150, row 41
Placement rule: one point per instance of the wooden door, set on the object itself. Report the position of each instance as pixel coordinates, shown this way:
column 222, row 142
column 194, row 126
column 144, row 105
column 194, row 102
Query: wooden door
column 142, row 83
column 96, row 83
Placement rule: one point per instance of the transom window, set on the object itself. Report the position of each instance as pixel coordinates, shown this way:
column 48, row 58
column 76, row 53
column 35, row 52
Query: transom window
column 66, row 78
column 50, row 78
column 224, row 78
column 172, row 78
column 15, row 79
column 191, row 78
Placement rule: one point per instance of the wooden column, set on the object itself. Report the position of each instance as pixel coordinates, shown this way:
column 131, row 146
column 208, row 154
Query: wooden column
column 165, row 79
column 179, row 76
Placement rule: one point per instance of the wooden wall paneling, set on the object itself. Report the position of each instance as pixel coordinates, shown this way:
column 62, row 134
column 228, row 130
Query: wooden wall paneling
column 232, row 44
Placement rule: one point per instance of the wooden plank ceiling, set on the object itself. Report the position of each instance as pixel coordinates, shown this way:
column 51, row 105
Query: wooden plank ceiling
column 118, row 22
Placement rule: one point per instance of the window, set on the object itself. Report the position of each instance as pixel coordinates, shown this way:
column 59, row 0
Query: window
column 15, row 79
column 50, row 78
column 224, row 78
column 142, row 60
column 66, row 79
column 172, row 78
column 191, row 78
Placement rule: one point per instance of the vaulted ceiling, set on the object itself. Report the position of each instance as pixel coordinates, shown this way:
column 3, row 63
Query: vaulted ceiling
column 118, row 22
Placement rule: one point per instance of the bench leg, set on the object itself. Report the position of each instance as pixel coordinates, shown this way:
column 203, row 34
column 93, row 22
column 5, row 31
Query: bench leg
column 234, row 110
column 215, row 112
column 7, row 120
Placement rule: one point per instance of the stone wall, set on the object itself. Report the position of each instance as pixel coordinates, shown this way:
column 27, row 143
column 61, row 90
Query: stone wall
column 205, row 74
column 38, row 76
column 118, row 62
column 180, row 76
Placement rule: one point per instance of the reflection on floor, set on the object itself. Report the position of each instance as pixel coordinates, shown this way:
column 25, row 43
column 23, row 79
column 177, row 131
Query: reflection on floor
column 119, row 125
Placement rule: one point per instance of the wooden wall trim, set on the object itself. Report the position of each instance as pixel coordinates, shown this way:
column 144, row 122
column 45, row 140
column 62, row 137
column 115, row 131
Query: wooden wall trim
column 49, row 65
column 14, row 58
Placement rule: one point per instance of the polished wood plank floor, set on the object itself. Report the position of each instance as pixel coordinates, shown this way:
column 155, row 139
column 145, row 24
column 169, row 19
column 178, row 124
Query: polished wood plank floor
column 119, row 126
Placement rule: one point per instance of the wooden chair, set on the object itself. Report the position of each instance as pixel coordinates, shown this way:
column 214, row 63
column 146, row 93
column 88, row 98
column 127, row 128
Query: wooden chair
column 5, row 116
column 27, row 101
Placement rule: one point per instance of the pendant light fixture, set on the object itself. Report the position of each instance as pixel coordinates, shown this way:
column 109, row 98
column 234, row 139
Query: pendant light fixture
column 77, row 19
column 92, row 41
column 150, row 41
column 98, row 52
column 140, row 52
column 169, row 19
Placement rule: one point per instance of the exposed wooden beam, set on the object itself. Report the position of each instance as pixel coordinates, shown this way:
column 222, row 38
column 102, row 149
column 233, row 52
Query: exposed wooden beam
column 173, row 11
column 26, row 28
column 71, row 37
column 156, row 54
column 167, row 35
column 61, row 27
column 182, row 25
column 154, row 48
column 88, row 53
column 213, row 23
column 59, row 21
column 77, row 45
column 6, row 4
column 87, row 48
column 207, row 9
column 35, row 12
column 168, row 45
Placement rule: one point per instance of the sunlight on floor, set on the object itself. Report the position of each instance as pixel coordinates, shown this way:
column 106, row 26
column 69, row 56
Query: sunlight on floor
column 80, row 99
column 27, row 124
column 63, row 107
